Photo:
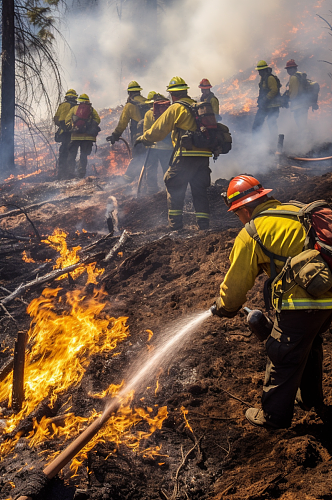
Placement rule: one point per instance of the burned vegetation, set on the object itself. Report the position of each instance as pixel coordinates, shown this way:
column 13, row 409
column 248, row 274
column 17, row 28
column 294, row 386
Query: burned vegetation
column 93, row 288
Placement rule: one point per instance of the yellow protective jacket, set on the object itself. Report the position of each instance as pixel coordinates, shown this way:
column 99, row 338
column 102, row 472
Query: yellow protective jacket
column 213, row 100
column 297, row 97
column 282, row 236
column 175, row 120
column 269, row 92
column 149, row 120
column 60, row 116
column 129, row 112
column 77, row 136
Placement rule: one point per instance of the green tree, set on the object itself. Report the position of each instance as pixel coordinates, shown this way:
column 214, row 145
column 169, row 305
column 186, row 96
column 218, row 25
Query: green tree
column 28, row 66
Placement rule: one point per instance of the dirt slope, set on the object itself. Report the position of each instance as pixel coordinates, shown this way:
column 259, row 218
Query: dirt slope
column 160, row 280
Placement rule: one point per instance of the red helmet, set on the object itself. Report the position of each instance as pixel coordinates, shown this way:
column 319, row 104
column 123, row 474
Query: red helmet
column 242, row 190
column 205, row 84
column 291, row 64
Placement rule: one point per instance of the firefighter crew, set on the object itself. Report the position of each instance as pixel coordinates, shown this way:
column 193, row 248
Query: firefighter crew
column 294, row 347
column 187, row 166
column 208, row 96
column 132, row 113
column 161, row 151
column 63, row 134
column 81, row 140
column 268, row 101
column 298, row 98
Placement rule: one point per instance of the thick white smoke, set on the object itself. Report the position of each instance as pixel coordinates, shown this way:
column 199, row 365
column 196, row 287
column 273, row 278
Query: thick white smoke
column 115, row 42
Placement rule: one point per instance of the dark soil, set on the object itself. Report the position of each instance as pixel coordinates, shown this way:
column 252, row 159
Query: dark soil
column 160, row 279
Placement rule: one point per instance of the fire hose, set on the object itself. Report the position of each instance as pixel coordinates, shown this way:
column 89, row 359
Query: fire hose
column 61, row 460
column 310, row 159
column 127, row 145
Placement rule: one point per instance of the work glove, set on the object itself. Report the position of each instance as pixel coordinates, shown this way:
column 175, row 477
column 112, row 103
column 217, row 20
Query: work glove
column 218, row 310
column 112, row 138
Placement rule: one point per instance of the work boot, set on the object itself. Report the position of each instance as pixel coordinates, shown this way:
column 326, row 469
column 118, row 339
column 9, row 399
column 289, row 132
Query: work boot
column 259, row 418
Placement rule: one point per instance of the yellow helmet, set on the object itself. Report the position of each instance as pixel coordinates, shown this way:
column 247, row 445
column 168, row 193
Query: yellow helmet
column 150, row 97
column 133, row 87
column 71, row 93
column 176, row 84
column 262, row 65
column 83, row 98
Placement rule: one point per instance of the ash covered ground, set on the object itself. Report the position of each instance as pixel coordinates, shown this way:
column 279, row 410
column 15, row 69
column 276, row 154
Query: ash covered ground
column 157, row 280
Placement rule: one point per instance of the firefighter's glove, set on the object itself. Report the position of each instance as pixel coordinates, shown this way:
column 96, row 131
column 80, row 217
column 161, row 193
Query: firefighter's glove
column 314, row 107
column 112, row 138
column 218, row 310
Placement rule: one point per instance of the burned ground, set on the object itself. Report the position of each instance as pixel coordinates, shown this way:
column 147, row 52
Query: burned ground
column 157, row 280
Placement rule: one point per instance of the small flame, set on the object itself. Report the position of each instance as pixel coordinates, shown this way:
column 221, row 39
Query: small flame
column 25, row 257
column 184, row 413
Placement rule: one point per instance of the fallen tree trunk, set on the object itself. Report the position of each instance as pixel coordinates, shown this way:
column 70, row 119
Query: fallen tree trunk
column 18, row 211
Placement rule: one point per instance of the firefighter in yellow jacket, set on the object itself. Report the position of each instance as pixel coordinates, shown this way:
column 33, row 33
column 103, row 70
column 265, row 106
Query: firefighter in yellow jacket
column 188, row 166
column 208, row 96
column 299, row 99
column 160, row 152
column 81, row 138
column 268, row 101
column 132, row 113
column 294, row 347
column 63, row 134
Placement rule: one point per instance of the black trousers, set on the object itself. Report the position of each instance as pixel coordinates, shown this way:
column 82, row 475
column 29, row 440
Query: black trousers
column 294, row 366
column 85, row 150
column 195, row 171
column 156, row 157
column 63, row 170
column 271, row 115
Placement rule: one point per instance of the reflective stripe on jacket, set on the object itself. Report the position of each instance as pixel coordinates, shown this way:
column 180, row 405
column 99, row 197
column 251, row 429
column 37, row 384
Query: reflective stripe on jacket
column 282, row 236
column 78, row 136
column 175, row 119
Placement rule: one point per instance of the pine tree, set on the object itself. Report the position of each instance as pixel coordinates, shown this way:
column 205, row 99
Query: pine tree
column 28, row 63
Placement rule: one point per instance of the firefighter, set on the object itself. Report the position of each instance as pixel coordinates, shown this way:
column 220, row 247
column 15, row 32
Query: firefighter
column 132, row 113
column 299, row 99
column 187, row 166
column 63, row 134
column 82, row 140
column 208, row 96
column 294, row 347
column 268, row 101
column 161, row 151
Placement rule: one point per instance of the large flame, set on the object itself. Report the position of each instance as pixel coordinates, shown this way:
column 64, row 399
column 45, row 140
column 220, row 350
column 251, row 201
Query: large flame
column 66, row 330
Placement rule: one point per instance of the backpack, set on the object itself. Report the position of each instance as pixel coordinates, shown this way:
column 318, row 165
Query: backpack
column 309, row 88
column 81, row 117
column 311, row 269
column 209, row 134
column 159, row 107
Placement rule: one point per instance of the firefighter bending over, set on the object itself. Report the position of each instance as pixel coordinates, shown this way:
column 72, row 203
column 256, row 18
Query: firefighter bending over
column 63, row 135
column 161, row 151
column 187, row 166
column 208, row 96
column 132, row 113
column 83, row 120
column 294, row 347
column 268, row 101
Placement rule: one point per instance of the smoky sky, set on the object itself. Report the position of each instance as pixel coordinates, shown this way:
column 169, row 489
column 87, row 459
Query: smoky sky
column 114, row 42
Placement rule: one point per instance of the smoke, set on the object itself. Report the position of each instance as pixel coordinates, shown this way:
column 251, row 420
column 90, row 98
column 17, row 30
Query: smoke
column 115, row 42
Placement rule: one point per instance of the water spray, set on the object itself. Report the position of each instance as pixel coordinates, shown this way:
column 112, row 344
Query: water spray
column 160, row 356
